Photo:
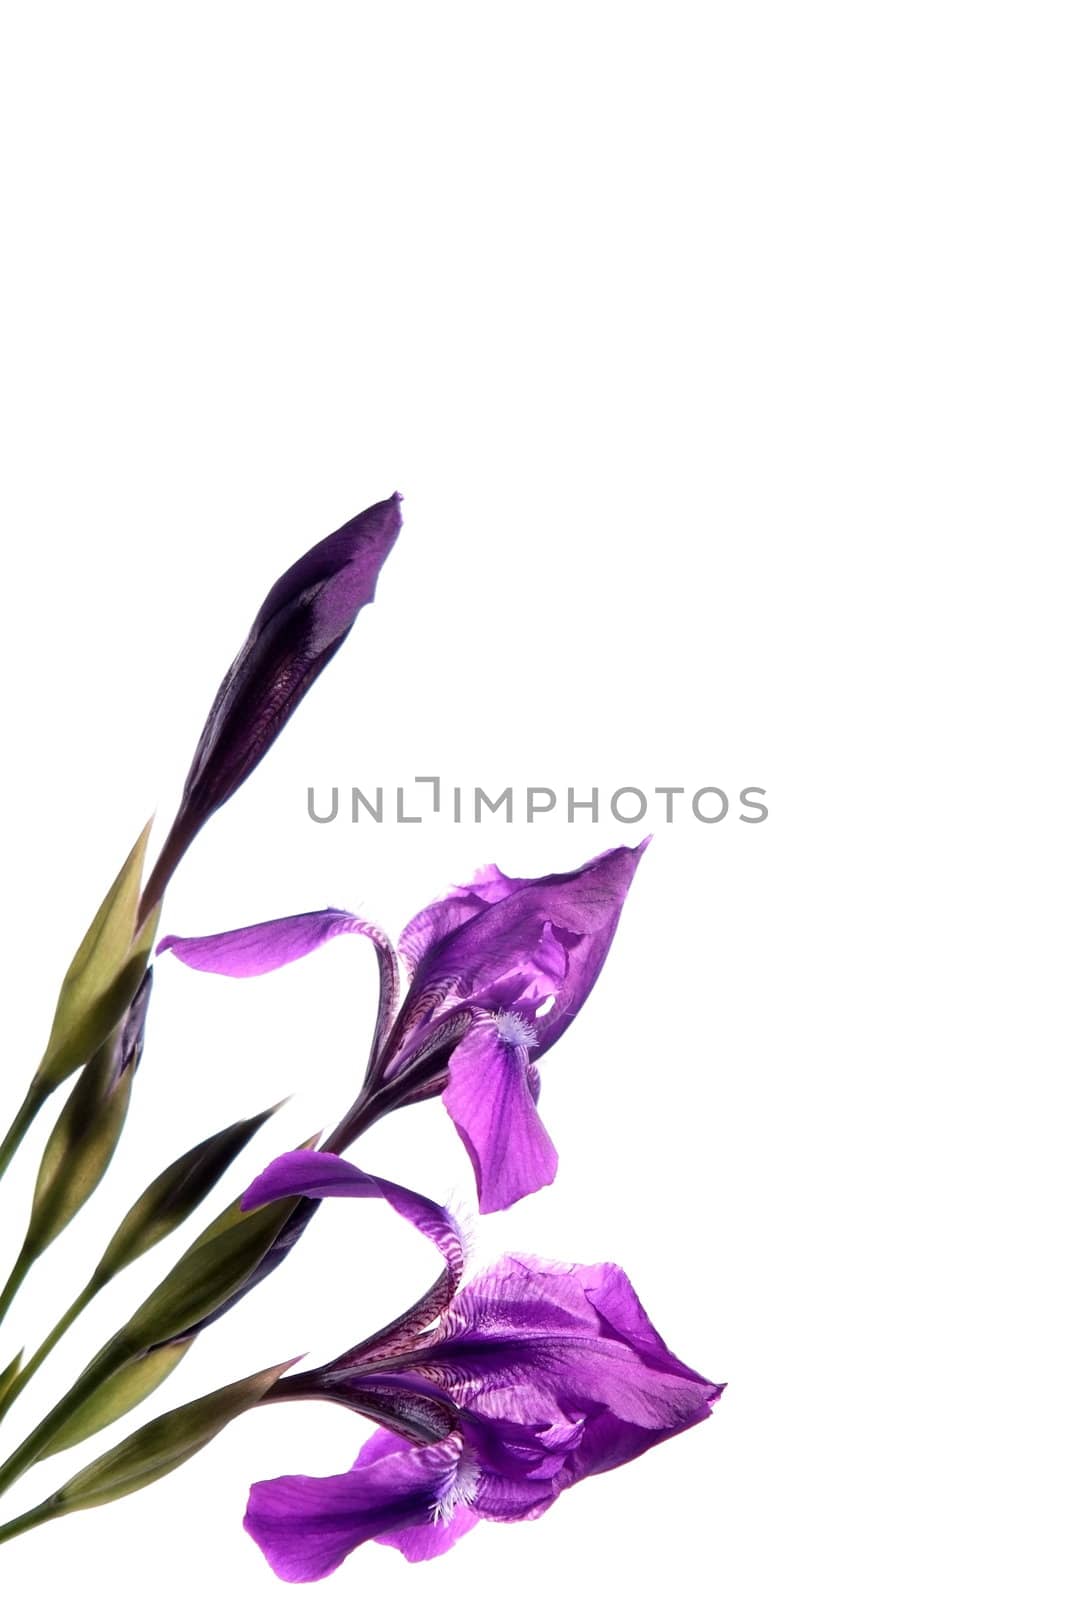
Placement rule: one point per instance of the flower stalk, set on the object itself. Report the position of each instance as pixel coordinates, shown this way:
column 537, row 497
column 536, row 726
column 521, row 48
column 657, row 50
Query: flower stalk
column 490, row 1396
column 45, row 1512
column 35, row 1097
column 45, row 1348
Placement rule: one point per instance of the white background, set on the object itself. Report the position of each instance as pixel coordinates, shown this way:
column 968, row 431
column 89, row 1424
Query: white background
column 718, row 352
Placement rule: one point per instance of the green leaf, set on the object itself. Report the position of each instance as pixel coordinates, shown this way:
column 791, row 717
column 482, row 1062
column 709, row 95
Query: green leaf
column 118, row 1395
column 104, row 975
column 162, row 1445
column 80, row 1146
column 8, row 1376
column 175, row 1195
column 212, row 1269
column 217, row 1263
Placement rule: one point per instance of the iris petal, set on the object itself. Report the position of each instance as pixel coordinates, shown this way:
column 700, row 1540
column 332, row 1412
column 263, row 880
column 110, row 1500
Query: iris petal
column 307, row 1526
column 489, row 1098
column 265, row 946
column 317, row 1175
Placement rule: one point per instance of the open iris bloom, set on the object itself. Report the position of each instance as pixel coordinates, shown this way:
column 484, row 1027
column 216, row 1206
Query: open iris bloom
column 536, row 1375
column 498, row 970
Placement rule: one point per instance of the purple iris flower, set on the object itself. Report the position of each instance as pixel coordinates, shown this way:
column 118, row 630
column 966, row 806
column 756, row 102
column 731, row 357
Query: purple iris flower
column 298, row 630
column 535, row 1376
column 498, row 970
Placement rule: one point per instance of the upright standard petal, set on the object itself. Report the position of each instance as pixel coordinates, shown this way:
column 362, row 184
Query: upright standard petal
column 298, row 630
column 428, row 927
column 534, row 939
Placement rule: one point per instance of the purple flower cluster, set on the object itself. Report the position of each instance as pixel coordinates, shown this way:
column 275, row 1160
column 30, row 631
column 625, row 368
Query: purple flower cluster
column 494, row 1396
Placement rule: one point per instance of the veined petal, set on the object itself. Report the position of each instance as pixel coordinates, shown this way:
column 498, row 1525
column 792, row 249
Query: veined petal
column 266, row 946
column 318, row 1175
column 546, row 1373
column 307, row 1526
column 297, row 631
column 429, row 1539
column 404, row 1402
column 529, row 1340
column 610, row 1442
column 489, row 1098
column 587, row 903
column 428, row 927
column 406, row 1330
column 437, row 1535
column 422, row 1059
column 613, row 1297
column 546, row 937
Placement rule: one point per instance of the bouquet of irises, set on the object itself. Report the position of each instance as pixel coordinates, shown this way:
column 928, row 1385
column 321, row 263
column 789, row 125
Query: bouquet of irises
column 490, row 1396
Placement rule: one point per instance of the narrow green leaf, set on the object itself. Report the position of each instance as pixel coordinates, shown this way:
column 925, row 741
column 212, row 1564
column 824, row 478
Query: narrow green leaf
column 8, row 1376
column 80, row 1147
column 108, row 1360
column 88, row 1128
column 175, row 1195
column 163, row 1444
column 215, row 1266
column 217, row 1263
column 211, row 1270
column 104, row 975
column 118, row 1395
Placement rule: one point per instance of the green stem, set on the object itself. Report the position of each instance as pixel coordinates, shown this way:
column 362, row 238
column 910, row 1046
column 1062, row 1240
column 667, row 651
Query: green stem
column 36, row 1095
column 69, row 1317
column 104, row 1365
column 29, row 1519
column 25, row 1261
column 116, row 1353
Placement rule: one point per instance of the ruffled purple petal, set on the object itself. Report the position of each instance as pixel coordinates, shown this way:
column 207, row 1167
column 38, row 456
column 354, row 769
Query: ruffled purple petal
column 609, row 1442
column 587, row 903
column 489, row 1098
column 545, row 1374
column 611, row 1294
column 317, row 1175
column 506, row 940
column 428, row 927
column 297, row 631
column 532, row 983
column 307, row 1526
column 527, row 1340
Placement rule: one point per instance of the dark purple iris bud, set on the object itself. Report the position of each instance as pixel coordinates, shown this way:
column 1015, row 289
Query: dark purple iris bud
column 298, row 630
column 132, row 1027
column 533, row 1376
column 498, row 970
